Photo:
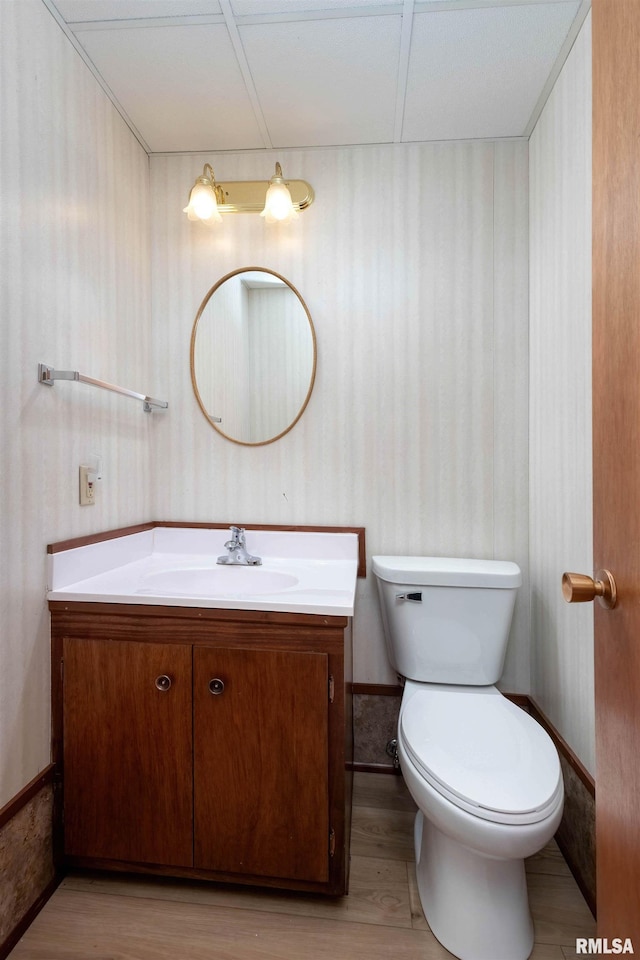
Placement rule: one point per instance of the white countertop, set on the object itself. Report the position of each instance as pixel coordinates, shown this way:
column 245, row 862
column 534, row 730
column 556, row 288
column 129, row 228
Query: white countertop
column 301, row 572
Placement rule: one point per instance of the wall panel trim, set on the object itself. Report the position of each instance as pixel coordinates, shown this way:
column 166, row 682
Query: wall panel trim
column 18, row 931
column 22, row 798
column 563, row 747
column 10, row 810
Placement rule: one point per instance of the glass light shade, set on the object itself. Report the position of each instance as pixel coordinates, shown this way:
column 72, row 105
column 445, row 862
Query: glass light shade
column 202, row 204
column 278, row 205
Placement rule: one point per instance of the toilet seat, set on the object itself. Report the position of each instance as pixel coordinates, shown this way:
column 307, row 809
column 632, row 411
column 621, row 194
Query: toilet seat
column 482, row 752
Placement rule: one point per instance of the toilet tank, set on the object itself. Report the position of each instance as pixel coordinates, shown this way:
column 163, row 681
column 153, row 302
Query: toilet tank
column 447, row 620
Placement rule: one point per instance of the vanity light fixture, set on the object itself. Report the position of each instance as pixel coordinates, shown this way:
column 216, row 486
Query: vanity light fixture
column 204, row 198
column 278, row 205
column 277, row 200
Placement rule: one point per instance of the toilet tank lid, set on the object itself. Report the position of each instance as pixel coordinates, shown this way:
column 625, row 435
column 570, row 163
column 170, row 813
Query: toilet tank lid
column 448, row 571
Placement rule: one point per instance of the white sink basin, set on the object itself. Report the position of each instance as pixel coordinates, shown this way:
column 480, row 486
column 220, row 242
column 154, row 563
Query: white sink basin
column 301, row 572
column 223, row 581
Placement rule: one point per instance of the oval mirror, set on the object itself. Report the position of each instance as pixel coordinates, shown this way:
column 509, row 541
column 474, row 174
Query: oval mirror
column 253, row 356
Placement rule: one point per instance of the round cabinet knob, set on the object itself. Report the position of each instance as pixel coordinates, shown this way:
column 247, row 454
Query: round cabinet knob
column 579, row 588
column 163, row 682
column 216, row 686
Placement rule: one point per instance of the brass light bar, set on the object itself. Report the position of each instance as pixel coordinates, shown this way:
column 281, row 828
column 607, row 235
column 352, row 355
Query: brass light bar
column 209, row 198
column 247, row 196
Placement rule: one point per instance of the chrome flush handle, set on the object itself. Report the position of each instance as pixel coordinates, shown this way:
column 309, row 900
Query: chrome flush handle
column 413, row 597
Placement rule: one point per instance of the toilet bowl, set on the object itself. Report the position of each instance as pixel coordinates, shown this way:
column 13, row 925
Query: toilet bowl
column 485, row 776
column 477, row 821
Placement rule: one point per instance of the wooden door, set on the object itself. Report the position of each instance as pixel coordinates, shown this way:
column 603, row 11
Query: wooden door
column 616, row 442
column 127, row 751
column 261, row 790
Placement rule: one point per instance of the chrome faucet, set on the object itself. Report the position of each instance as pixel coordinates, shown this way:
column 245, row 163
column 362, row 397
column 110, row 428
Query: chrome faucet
column 237, row 548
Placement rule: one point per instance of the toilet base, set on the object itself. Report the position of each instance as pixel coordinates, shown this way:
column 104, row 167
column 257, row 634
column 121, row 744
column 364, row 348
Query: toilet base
column 477, row 907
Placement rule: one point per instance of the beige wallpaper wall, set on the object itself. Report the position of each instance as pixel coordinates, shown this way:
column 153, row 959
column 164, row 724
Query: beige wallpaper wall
column 413, row 263
column 74, row 293
column 560, row 424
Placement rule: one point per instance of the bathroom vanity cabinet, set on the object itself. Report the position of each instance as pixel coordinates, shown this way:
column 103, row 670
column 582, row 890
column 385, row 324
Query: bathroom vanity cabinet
column 203, row 743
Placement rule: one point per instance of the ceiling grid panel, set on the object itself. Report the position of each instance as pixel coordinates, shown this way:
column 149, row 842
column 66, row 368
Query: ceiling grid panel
column 403, row 67
column 245, row 70
column 230, row 75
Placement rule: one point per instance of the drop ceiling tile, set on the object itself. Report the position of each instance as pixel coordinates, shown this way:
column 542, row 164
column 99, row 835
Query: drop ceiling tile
column 243, row 8
column 327, row 81
column 79, row 11
column 180, row 86
column 479, row 72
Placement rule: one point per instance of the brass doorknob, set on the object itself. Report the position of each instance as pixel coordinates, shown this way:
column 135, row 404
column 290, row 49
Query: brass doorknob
column 579, row 588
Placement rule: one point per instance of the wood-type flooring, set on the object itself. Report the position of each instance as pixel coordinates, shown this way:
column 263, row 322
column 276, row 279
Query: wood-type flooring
column 119, row 918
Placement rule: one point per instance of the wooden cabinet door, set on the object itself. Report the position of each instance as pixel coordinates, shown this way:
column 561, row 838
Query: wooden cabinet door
column 261, row 784
column 127, row 751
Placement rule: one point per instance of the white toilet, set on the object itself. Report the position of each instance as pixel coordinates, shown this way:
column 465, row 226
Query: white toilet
column 485, row 776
